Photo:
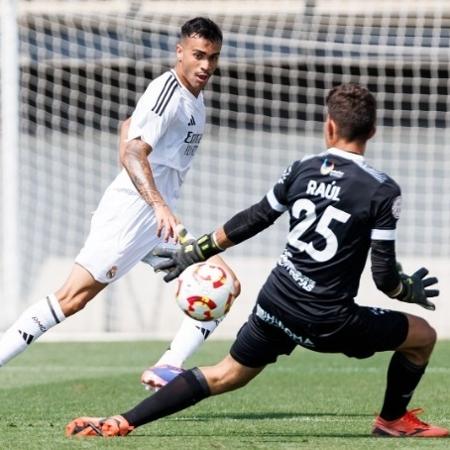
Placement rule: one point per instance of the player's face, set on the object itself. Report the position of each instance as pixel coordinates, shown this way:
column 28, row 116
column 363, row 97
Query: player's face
column 197, row 59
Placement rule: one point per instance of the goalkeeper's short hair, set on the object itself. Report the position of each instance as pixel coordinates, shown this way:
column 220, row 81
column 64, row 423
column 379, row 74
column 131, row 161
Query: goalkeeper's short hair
column 353, row 108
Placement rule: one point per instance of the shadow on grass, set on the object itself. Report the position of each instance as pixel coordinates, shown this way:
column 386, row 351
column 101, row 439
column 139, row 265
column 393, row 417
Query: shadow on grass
column 264, row 415
column 259, row 434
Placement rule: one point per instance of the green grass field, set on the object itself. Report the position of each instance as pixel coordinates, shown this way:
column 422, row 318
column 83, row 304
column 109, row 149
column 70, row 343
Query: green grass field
column 307, row 400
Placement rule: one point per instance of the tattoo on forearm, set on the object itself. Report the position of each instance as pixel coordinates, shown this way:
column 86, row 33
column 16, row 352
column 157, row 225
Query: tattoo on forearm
column 138, row 168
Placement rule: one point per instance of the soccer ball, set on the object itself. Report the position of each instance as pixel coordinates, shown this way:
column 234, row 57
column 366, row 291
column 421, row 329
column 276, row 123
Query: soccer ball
column 205, row 291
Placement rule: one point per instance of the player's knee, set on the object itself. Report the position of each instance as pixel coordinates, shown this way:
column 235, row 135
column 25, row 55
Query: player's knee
column 427, row 334
column 420, row 343
column 428, row 340
column 430, row 336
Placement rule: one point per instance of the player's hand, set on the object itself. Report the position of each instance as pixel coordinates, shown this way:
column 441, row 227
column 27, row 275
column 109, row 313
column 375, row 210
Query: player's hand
column 182, row 234
column 166, row 221
column 191, row 251
column 414, row 288
column 177, row 260
column 161, row 250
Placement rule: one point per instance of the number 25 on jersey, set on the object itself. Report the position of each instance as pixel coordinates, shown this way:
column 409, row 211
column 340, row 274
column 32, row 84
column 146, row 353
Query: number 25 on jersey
column 323, row 228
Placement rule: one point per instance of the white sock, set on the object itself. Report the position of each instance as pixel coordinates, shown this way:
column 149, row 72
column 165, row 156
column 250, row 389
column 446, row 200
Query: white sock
column 188, row 339
column 32, row 323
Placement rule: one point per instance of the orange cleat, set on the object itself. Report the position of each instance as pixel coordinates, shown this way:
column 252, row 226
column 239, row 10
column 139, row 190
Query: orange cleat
column 409, row 425
column 98, row 426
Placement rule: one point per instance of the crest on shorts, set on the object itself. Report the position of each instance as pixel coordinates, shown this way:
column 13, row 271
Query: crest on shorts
column 397, row 207
column 111, row 272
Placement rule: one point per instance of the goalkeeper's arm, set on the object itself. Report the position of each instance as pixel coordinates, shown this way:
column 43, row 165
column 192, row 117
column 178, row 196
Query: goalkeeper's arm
column 384, row 267
column 240, row 227
column 389, row 277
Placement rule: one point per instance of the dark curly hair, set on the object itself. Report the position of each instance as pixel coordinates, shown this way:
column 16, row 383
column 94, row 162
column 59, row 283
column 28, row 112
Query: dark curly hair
column 202, row 27
column 353, row 108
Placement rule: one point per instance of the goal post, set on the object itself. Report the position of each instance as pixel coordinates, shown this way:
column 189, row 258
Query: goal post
column 82, row 66
column 9, row 263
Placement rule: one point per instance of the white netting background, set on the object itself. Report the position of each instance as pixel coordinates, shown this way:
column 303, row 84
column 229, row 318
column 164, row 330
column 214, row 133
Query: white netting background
column 82, row 72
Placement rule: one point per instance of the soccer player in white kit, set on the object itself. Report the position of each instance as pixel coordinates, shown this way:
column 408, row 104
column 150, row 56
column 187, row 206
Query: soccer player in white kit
column 135, row 213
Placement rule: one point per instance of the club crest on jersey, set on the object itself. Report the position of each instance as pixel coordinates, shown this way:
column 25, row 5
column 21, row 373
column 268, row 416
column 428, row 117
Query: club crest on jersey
column 111, row 272
column 327, row 168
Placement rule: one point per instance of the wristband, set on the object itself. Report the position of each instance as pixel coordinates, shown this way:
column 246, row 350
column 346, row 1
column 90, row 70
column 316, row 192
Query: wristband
column 208, row 246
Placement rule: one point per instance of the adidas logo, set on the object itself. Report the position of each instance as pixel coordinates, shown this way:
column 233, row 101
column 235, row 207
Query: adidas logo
column 204, row 331
column 28, row 338
column 191, row 122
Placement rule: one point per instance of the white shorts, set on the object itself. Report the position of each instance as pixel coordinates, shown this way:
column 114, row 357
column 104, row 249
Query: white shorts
column 123, row 232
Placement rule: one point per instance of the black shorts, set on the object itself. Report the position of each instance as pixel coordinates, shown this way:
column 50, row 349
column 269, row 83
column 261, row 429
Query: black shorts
column 366, row 331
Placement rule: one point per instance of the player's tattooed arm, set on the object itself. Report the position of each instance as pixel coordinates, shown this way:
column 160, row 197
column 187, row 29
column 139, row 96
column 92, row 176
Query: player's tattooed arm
column 123, row 136
column 134, row 159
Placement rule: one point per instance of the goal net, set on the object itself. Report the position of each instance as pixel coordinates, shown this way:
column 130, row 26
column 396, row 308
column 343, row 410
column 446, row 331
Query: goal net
column 84, row 64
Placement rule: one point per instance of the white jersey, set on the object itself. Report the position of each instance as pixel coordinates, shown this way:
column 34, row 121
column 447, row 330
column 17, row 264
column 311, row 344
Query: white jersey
column 171, row 120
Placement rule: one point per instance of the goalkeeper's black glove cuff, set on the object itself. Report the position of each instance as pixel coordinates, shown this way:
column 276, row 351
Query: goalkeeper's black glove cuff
column 191, row 252
column 208, row 246
column 404, row 292
column 398, row 292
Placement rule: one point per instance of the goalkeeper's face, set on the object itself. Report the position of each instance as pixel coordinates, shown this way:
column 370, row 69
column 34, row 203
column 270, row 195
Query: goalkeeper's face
column 197, row 59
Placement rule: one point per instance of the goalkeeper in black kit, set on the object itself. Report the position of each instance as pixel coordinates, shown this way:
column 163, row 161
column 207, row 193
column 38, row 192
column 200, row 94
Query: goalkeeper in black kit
column 339, row 208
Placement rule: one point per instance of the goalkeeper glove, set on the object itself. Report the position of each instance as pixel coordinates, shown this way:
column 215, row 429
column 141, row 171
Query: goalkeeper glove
column 413, row 288
column 191, row 251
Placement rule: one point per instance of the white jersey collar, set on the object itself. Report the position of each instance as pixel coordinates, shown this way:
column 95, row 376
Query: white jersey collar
column 345, row 154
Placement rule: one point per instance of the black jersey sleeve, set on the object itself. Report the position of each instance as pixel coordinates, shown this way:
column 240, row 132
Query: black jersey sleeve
column 261, row 215
column 384, row 266
column 250, row 221
column 278, row 195
column 386, row 205
column 385, row 210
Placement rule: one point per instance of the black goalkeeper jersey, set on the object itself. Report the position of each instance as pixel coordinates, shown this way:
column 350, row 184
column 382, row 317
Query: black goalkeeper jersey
column 337, row 204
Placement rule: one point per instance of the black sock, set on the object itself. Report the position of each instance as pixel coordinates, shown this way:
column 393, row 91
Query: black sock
column 185, row 390
column 402, row 378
